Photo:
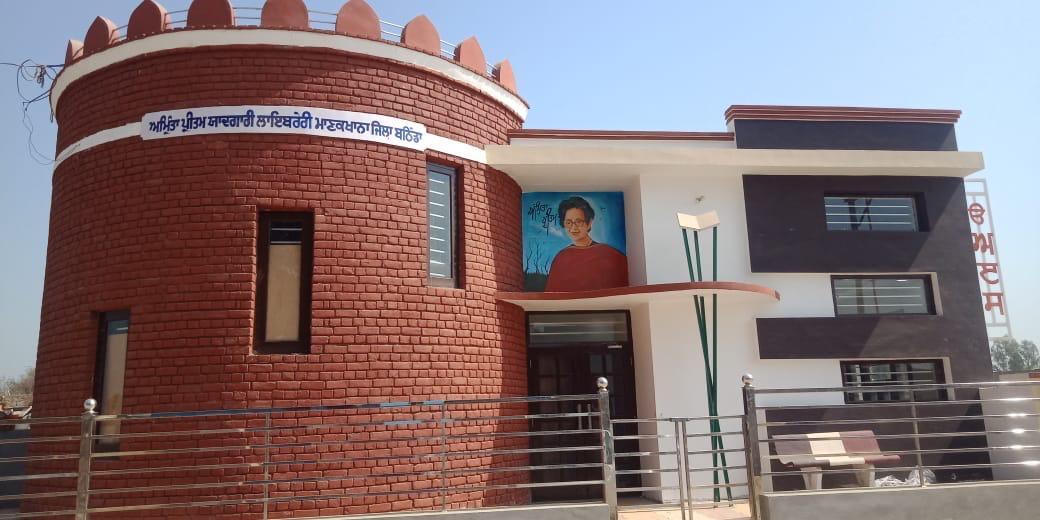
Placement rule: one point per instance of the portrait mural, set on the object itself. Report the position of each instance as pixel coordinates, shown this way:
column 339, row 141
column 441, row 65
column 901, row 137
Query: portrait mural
column 574, row 241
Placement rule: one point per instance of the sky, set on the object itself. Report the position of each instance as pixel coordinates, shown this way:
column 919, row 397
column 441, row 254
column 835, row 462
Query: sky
column 647, row 65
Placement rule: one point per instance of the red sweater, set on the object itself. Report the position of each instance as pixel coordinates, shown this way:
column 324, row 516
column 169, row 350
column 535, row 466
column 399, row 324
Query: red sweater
column 597, row 266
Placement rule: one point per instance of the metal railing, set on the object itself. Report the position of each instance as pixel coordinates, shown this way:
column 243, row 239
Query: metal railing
column 414, row 455
column 456, row 454
column 677, row 455
column 962, row 432
column 319, row 20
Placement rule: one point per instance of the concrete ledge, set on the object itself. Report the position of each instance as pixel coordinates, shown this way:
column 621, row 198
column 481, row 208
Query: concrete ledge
column 945, row 502
column 590, row 511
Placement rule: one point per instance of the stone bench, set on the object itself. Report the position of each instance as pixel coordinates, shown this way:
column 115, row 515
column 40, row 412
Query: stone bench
column 812, row 452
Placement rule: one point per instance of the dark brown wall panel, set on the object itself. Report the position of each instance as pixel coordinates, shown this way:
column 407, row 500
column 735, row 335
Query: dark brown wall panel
column 787, row 234
column 844, row 135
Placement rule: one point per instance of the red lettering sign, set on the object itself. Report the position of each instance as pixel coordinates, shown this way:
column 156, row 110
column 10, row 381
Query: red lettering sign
column 977, row 213
column 982, row 242
column 994, row 300
column 988, row 268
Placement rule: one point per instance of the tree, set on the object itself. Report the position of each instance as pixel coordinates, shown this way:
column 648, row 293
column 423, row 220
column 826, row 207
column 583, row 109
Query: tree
column 1010, row 355
column 18, row 390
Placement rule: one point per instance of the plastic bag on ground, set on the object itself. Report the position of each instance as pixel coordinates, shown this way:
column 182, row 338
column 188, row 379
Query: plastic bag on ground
column 913, row 479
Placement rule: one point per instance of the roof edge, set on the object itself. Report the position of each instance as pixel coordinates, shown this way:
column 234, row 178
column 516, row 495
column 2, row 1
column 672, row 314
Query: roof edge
column 645, row 135
column 832, row 113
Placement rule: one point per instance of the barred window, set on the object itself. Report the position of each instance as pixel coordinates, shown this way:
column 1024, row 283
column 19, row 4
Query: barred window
column 441, row 219
column 869, row 213
column 870, row 295
column 870, row 379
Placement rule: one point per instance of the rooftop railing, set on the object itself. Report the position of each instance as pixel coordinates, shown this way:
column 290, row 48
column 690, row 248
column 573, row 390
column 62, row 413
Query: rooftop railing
column 250, row 16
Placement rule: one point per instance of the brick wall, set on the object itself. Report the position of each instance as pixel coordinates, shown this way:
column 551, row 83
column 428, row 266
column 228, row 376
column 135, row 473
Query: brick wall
column 168, row 229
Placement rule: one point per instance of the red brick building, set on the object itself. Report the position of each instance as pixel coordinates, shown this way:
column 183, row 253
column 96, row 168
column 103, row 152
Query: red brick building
column 271, row 207
column 162, row 236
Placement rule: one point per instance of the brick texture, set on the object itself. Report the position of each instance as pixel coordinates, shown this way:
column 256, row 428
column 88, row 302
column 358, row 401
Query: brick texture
column 168, row 229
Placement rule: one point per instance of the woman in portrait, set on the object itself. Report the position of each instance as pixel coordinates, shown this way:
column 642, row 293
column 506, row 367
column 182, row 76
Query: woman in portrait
column 584, row 265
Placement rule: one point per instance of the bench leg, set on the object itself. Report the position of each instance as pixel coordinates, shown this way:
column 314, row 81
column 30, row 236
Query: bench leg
column 813, row 479
column 865, row 474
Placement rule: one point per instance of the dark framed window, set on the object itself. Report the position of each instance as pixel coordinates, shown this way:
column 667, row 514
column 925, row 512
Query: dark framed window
column 283, row 293
column 876, row 295
column 110, row 372
column 870, row 379
column 871, row 213
column 441, row 219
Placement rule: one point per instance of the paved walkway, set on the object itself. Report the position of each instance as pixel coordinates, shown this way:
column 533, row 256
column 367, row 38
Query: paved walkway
column 736, row 512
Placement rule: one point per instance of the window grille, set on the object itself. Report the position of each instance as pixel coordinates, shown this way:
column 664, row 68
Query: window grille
column 867, row 213
column 870, row 379
column 882, row 295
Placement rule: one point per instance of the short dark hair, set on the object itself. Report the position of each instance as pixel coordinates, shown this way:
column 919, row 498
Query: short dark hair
column 576, row 202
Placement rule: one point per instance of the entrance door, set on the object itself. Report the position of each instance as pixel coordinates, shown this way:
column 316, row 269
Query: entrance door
column 562, row 361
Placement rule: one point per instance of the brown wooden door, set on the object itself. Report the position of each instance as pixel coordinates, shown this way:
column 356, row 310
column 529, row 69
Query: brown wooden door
column 570, row 370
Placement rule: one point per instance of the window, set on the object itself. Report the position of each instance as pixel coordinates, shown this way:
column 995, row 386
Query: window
column 871, row 377
column 109, row 372
column 441, row 218
column 283, row 294
column 570, row 328
column 869, row 213
column 863, row 295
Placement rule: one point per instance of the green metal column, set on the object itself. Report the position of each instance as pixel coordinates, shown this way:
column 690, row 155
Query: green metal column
column 711, row 373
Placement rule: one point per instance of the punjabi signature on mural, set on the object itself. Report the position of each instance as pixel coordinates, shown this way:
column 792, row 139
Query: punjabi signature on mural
column 543, row 214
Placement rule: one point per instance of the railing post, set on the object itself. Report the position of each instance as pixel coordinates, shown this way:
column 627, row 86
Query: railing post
column 917, row 439
column 267, row 463
column 443, row 493
column 607, row 435
column 680, row 469
column 86, row 448
column 751, row 447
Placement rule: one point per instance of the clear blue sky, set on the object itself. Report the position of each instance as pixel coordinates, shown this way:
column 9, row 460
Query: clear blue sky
column 646, row 65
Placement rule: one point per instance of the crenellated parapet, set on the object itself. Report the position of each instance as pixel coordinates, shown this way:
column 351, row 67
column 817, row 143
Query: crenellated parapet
column 354, row 19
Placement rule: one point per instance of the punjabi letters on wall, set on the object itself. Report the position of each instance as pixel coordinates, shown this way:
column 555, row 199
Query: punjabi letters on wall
column 574, row 241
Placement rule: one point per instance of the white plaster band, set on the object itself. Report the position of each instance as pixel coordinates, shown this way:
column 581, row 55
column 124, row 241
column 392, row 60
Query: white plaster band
column 142, row 131
column 284, row 38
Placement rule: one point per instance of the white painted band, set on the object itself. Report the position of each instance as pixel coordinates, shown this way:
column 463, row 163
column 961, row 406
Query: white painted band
column 434, row 142
column 276, row 37
column 98, row 139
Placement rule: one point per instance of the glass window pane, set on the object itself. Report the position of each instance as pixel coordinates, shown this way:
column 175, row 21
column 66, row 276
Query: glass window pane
column 577, row 327
column 889, row 295
column 440, row 221
column 286, row 232
column 116, row 327
column 867, row 213
column 283, row 293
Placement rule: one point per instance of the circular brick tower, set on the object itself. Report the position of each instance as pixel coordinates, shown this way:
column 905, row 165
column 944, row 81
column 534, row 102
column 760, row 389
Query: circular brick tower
column 168, row 232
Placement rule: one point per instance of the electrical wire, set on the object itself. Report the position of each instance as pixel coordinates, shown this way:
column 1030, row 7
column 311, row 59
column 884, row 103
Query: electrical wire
column 40, row 74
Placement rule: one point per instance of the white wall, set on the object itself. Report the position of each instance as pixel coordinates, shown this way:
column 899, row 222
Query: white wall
column 634, row 243
column 676, row 378
column 674, row 328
